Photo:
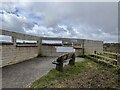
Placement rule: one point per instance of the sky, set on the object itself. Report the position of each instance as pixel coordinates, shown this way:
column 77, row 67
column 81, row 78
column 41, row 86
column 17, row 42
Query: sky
column 84, row 20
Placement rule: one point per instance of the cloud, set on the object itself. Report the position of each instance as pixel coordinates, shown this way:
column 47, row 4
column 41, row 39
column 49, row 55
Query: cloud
column 41, row 31
column 89, row 20
column 8, row 6
column 13, row 22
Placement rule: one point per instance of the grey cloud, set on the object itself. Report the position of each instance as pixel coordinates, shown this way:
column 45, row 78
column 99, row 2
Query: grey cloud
column 14, row 23
column 90, row 20
column 7, row 6
column 98, row 14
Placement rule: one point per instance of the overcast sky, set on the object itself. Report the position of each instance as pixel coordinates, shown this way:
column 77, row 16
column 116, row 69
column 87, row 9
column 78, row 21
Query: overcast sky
column 85, row 20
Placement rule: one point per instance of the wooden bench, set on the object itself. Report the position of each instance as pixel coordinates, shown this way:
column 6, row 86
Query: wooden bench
column 64, row 58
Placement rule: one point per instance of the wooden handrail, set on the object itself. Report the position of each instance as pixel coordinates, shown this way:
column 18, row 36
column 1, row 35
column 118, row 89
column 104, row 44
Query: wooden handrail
column 105, row 57
column 112, row 53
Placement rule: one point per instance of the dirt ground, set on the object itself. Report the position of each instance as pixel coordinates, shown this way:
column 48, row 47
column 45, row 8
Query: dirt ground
column 94, row 76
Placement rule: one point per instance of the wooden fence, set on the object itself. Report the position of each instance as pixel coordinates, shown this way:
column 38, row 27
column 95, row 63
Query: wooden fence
column 108, row 57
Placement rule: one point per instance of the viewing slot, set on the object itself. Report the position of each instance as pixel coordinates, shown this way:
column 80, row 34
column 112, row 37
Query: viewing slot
column 26, row 42
column 4, row 38
column 51, row 41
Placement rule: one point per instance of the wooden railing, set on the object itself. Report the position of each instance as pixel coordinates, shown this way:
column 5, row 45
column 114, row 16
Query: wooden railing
column 104, row 59
column 112, row 55
column 108, row 57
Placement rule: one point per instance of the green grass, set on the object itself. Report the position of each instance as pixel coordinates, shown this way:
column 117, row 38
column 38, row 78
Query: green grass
column 69, row 72
column 78, row 71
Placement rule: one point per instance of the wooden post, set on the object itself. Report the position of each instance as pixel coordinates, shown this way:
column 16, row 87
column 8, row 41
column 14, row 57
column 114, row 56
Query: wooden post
column 118, row 60
column 83, row 48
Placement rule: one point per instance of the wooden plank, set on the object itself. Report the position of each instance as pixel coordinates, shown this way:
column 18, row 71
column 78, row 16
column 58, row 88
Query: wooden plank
column 104, row 57
column 108, row 63
column 111, row 53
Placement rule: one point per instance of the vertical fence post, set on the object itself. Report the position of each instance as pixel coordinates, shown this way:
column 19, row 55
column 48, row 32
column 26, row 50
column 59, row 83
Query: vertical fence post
column 118, row 60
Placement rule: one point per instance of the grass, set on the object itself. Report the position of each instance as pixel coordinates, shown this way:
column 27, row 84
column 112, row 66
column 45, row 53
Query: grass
column 69, row 72
column 85, row 74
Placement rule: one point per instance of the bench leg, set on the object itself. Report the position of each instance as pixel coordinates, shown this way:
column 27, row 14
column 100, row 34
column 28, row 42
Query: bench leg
column 59, row 67
column 72, row 61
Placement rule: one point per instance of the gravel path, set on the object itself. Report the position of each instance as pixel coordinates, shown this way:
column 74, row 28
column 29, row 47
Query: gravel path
column 22, row 74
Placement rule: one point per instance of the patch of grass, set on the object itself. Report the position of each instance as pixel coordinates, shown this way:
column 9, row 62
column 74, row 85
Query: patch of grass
column 85, row 74
column 68, row 73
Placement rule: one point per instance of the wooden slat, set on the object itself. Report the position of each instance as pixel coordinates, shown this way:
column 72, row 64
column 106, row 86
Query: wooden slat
column 105, row 57
column 107, row 62
column 111, row 53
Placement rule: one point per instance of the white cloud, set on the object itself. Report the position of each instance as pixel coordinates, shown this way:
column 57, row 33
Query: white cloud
column 41, row 31
column 79, row 20
column 7, row 6
column 13, row 22
column 60, row 0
